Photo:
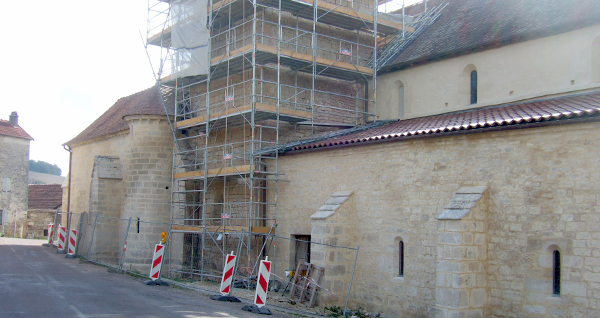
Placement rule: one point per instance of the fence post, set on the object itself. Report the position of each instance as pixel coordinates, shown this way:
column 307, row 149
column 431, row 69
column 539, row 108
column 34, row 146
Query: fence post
column 351, row 279
column 124, row 244
column 92, row 237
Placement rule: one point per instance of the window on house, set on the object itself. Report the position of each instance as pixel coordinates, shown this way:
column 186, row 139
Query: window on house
column 1, row 215
column 401, row 259
column 556, row 273
column 401, row 101
column 473, row 87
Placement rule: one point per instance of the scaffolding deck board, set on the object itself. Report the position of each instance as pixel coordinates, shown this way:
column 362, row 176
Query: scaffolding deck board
column 219, row 172
column 221, row 229
column 236, row 116
column 328, row 13
column 240, row 59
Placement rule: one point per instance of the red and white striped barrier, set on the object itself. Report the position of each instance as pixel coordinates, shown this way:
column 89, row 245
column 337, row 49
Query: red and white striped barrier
column 159, row 251
column 228, row 274
column 72, row 243
column 264, row 272
column 62, row 233
column 50, row 232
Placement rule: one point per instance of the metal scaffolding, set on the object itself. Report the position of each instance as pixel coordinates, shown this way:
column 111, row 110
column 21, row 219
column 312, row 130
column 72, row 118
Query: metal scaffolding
column 278, row 71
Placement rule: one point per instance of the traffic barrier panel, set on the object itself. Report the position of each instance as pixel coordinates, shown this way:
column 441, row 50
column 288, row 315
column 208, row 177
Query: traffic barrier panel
column 50, row 235
column 72, row 244
column 262, row 286
column 226, row 280
column 157, row 258
column 62, row 233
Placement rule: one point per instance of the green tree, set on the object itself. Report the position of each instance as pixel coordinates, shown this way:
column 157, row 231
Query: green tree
column 44, row 167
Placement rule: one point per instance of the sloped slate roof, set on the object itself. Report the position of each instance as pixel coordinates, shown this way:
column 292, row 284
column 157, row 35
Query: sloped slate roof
column 146, row 102
column 584, row 105
column 45, row 196
column 8, row 130
column 468, row 25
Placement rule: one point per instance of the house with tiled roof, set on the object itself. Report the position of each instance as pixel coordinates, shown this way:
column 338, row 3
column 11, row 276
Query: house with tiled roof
column 120, row 166
column 475, row 192
column 44, row 205
column 14, row 169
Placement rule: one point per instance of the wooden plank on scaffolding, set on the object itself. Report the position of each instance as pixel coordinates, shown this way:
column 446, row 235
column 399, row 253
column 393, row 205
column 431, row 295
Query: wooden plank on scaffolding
column 202, row 119
column 335, row 9
column 166, row 38
column 226, row 228
column 309, row 58
column 213, row 172
column 244, row 109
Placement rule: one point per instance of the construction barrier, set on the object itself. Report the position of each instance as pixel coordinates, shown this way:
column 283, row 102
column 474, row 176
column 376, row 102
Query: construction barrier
column 260, row 297
column 50, row 233
column 62, row 233
column 159, row 251
column 72, row 243
column 262, row 287
column 226, row 280
column 228, row 274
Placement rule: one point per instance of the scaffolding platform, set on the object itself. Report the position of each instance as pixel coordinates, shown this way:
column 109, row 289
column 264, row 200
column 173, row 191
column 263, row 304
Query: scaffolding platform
column 214, row 173
column 226, row 229
column 236, row 116
column 328, row 13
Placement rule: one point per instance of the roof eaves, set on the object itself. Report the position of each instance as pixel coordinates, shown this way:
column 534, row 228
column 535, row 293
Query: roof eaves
column 491, row 44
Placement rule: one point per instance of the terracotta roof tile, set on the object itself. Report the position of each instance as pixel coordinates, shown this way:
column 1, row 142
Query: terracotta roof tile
column 8, row 130
column 146, row 102
column 505, row 115
column 474, row 24
column 45, row 196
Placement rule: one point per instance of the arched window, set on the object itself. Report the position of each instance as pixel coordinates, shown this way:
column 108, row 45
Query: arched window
column 401, row 259
column 556, row 273
column 401, row 101
column 474, row 87
column 596, row 60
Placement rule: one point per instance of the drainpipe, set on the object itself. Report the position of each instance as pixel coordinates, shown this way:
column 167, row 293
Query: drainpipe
column 67, row 148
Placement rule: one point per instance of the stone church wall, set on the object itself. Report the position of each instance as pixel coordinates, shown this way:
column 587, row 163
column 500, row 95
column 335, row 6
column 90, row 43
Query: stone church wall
column 542, row 194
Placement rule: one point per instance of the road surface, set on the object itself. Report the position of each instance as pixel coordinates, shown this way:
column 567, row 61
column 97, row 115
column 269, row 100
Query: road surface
column 37, row 282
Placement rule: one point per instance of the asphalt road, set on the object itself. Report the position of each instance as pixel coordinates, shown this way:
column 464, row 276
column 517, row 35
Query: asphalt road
column 37, row 282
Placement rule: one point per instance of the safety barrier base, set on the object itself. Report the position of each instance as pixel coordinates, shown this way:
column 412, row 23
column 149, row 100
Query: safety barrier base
column 229, row 298
column 157, row 282
column 255, row 310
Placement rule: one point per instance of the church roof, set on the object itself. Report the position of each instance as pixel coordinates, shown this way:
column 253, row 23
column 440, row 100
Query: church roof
column 45, row 196
column 146, row 102
column 7, row 129
column 466, row 26
column 525, row 114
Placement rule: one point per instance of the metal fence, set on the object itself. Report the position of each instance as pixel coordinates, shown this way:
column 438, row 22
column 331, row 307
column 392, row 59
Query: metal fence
column 324, row 272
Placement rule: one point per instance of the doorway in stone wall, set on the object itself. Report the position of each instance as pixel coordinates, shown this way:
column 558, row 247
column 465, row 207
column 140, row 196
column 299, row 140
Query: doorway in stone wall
column 302, row 251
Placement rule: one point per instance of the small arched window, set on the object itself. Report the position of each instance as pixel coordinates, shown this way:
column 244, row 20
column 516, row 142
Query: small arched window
column 401, row 259
column 556, row 273
column 596, row 60
column 401, row 101
column 473, row 87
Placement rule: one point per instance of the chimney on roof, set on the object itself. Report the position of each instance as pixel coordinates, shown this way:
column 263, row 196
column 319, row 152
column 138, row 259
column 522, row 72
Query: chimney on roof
column 14, row 119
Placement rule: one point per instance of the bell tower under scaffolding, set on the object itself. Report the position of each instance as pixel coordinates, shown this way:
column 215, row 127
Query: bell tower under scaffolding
column 248, row 76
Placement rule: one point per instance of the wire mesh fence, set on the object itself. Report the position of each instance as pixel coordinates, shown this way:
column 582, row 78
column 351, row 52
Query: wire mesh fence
column 302, row 272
